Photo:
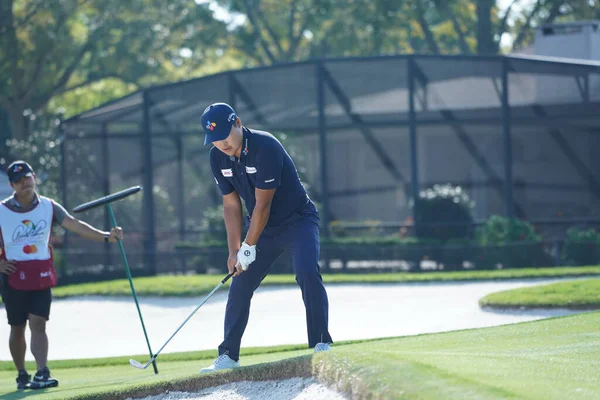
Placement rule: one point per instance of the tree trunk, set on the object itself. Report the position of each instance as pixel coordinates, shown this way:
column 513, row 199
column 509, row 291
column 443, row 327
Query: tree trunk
column 18, row 123
column 485, row 38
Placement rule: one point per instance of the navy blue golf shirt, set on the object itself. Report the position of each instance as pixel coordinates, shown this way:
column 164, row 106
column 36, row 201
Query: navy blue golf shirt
column 263, row 164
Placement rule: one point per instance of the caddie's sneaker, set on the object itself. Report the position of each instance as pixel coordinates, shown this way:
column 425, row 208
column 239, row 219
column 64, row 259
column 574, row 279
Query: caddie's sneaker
column 43, row 380
column 23, row 380
column 222, row 362
column 322, row 347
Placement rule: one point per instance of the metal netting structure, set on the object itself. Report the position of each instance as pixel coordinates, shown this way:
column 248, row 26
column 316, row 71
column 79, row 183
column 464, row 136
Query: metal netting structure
column 366, row 134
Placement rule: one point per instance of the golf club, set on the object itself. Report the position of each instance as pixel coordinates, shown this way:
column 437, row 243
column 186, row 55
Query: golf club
column 139, row 365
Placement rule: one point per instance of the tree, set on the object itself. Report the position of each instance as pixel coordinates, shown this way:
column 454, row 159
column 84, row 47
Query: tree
column 293, row 30
column 56, row 49
column 465, row 26
column 485, row 34
column 48, row 48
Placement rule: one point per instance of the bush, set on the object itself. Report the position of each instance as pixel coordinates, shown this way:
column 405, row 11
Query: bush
column 501, row 230
column 512, row 243
column 582, row 247
column 508, row 243
column 444, row 204
column 214, row 225
column 58, row 260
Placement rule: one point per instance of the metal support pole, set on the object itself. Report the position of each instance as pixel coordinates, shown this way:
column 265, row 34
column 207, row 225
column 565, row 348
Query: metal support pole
column 412, row 129
column 231, row 87
column 237, row 90
column 370, row 138
column 180, row 187
column 323, row 149
column 106, row 189
column 508, row 157
column 148, row 198
column 63, row 183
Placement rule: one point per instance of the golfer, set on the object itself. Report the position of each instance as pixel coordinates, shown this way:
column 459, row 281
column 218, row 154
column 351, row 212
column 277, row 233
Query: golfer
column 253, row 165
column 27, row 270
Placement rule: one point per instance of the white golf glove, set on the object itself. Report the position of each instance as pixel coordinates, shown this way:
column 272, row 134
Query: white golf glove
column 246, row 255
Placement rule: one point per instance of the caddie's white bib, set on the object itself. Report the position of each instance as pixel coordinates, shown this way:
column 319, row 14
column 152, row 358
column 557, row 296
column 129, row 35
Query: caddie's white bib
column 26, row 235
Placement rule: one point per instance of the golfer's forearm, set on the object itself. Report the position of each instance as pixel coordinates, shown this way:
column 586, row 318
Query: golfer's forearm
column 232, row 214
column 260, row 216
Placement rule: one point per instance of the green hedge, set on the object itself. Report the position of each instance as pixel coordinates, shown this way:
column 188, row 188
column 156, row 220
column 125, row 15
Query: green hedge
column 499, row 243
column 582, row 247
column 453, row 255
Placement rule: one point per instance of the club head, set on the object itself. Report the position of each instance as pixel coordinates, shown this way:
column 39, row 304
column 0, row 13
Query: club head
column 137, row 364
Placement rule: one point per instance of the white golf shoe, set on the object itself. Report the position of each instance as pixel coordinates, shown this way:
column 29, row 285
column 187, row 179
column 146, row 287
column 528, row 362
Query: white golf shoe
column 319, row 347
column 222, row 362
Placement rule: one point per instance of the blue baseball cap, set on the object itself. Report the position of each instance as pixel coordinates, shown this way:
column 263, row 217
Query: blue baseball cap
column 17, row 170
column 217, row 120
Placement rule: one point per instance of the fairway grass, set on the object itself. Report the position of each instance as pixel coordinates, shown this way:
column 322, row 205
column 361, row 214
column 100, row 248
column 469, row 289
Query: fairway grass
column 555, row 358
column 577, row 295
column 195, row 285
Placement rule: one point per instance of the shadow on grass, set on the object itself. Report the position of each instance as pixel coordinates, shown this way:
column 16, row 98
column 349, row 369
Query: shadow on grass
column 22, row 394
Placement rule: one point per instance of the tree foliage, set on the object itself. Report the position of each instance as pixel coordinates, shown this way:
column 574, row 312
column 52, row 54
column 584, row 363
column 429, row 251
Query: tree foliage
column 76, row 54
column 290, row 30
column 48, row 48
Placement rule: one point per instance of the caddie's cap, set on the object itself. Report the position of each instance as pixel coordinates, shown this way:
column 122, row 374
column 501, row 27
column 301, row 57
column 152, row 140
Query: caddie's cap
column 17, row 170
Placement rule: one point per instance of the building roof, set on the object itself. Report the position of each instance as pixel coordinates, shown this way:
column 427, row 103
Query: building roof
column 285, row 96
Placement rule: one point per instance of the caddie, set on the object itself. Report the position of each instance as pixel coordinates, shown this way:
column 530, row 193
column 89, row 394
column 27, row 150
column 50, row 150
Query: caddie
column 27, row 268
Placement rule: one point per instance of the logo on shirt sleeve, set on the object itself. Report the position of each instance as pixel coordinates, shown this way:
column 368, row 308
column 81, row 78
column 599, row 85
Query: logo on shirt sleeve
column 227, row 173
column 250, row 170
column 270, row 180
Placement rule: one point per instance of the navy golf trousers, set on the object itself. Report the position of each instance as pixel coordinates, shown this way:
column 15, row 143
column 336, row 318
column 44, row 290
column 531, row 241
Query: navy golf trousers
column 301, row 239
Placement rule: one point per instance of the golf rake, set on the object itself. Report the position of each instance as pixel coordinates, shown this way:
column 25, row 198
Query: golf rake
column 139, row 365
column 106, row 201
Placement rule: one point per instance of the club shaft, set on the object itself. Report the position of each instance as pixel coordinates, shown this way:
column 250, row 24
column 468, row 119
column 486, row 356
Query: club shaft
column 190, row 316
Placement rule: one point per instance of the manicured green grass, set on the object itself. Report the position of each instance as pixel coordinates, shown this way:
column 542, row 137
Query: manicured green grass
column 551, row 359
column 194, row 285
column 164, row 357
column 579, row 294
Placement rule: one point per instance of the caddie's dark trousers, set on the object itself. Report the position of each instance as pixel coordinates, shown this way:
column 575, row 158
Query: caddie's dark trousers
column 301, row 238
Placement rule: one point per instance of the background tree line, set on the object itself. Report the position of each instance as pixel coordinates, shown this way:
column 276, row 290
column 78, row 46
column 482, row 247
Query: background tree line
column 70, row 55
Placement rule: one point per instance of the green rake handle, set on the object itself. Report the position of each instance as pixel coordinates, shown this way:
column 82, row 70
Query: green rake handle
column 114, row 223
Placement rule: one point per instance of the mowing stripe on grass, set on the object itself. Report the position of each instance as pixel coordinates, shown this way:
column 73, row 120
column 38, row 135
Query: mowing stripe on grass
column 555, row 358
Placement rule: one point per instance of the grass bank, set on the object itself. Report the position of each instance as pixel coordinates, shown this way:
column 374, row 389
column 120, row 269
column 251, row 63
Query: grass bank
column 579, row 294
column 549, row 359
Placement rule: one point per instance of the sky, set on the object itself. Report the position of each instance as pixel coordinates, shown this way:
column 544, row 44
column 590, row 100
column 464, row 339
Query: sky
column 506, row 39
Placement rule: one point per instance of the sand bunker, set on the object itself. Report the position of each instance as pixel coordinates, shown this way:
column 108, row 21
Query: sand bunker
column 295, row 388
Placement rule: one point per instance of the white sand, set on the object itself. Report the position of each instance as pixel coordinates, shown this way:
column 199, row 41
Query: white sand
column 295, row 388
